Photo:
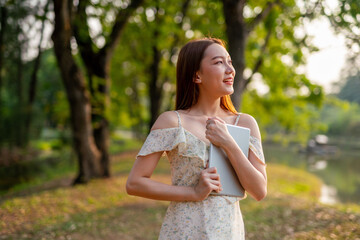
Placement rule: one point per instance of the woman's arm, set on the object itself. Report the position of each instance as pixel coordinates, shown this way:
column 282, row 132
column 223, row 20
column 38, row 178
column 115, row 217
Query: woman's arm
column 139, row 182
column 251, row 173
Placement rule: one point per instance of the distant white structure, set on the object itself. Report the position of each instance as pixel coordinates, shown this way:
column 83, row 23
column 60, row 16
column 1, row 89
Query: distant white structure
column 319, row 145
column 321, row 139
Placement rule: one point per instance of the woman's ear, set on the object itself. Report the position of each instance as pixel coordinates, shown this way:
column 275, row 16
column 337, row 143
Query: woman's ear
column 197, row 78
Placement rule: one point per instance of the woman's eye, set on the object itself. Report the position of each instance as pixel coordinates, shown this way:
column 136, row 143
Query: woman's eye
column 219, row 62
column 230, row 62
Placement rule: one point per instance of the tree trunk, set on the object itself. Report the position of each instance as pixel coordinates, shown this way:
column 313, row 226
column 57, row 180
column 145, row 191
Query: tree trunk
column 78, row 96
column 33, row 81
column 100, row 104
column 236, row 33
column 3, row 18
column 155, row 88
column 135, row 109
column 18, row 120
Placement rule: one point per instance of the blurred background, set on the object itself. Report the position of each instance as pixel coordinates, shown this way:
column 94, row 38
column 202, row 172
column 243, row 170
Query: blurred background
column 82, row 82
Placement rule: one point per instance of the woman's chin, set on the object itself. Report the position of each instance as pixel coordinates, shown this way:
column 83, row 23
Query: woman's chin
column 229, row 91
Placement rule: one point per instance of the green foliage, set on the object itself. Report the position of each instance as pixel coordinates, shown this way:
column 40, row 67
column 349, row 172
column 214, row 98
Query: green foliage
column 350, row 89
column 158, row 22
column 344, row 17
column 283, row 119
column 121, row 143
column 50, row 107
column 287, row 108
column 342, row 117
column 291, row 102
column 41, row 168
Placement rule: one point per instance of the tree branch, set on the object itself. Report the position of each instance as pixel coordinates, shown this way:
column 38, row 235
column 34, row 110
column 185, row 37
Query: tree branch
column 82, row 34
column 260, row 59
column 261, row 16
column 33, row 81
column 120, row 21
column 184, row 8
column 310, row 11
column 233, row 11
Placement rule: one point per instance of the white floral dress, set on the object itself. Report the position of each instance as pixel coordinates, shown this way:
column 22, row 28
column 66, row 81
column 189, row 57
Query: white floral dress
column 216, row 217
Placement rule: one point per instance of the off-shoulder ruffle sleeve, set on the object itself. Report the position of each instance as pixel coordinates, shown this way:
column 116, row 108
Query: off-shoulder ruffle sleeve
column 161, row 140
column 255, row 147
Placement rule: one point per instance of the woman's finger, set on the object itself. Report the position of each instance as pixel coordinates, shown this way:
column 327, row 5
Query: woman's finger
column 214, row 176
column 209, row 120
column 218, row 119
column 211, row 170
column 215, row 182
column 210, row 126
column 216, row 187
column 214, row 119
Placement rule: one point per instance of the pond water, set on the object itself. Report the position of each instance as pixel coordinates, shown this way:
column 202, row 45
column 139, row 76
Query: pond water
column 340, row 172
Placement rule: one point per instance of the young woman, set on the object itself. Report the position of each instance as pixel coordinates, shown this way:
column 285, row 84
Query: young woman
column 204, row 82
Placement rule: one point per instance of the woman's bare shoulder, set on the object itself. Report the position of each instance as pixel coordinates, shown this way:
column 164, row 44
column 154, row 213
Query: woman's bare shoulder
column 167, row 119
column 246, row 120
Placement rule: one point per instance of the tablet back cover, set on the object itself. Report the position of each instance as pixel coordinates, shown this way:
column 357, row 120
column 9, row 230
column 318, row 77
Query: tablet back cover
column 217, row 158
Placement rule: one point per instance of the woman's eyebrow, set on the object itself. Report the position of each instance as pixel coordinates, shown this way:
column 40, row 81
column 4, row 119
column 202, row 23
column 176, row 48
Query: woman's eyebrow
column 223, row 57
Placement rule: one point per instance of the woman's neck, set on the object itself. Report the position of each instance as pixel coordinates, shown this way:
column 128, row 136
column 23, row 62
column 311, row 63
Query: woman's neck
column 207, row 107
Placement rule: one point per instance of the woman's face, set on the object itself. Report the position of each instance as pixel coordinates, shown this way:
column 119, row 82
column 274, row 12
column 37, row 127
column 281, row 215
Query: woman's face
column 216, row 74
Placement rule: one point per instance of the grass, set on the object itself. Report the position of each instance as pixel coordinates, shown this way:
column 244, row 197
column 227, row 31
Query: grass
column 103, row 210
column 42, row 169
column 52, row 166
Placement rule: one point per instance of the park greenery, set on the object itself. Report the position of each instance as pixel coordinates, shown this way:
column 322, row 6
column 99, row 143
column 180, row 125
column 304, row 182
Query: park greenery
column 97, row 76
column 82, row 82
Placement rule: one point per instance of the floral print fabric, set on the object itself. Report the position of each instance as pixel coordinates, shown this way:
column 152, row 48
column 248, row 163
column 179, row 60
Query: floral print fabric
column 255, row 147
column 215, row 218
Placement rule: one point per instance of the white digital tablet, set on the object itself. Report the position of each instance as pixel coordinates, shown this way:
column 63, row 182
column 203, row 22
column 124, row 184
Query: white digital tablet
column 217, row 158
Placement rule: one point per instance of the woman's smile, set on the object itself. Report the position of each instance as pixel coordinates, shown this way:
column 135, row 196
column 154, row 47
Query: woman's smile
column 229, row 81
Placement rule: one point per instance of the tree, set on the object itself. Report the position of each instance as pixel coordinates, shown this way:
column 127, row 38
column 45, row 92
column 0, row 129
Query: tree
column 13, row 82
column 344, row 17
column 274, row 19
column 97, row 63
column 3, row 25
column 156, row 84
column 74, row 19
column 267, row 45
column 34, row 76
column 272, row 54
column 150, row 65
column 238, row 30
column 77, row 94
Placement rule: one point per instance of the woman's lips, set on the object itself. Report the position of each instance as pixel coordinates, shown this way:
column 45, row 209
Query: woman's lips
column 228, row 81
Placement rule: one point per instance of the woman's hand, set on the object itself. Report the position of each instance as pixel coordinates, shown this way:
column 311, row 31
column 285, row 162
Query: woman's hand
column 209, row 181
column 216, row 132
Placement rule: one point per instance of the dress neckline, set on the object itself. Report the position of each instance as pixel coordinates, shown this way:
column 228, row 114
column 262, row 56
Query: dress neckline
column 196, row 137
column 206, row 144
column 185, row 130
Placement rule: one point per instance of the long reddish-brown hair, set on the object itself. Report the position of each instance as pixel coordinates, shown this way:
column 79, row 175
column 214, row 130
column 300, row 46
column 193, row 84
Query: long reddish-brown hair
column 187, row 91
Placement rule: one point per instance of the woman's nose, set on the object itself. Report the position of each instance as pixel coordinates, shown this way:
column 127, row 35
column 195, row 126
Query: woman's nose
column 230, row 69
